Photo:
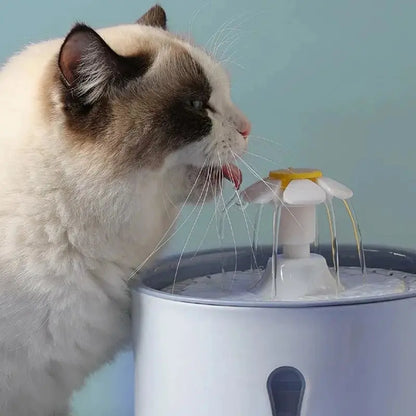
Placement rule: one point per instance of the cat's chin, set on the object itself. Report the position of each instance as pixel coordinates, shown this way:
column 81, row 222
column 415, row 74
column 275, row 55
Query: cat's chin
column 203, row 184
column 194, row 185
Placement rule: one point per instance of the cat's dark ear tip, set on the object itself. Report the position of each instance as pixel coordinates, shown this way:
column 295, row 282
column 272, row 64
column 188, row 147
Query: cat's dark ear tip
column 155, row 16
column 78, row 27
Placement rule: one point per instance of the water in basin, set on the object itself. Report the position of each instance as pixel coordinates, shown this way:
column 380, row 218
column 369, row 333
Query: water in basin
column 238, row 285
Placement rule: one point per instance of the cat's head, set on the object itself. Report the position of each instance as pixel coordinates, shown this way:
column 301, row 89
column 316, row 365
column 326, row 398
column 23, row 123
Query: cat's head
column 142, row 98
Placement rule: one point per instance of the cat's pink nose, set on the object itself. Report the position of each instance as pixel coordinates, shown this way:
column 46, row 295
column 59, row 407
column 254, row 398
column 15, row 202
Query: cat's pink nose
column 245, row 128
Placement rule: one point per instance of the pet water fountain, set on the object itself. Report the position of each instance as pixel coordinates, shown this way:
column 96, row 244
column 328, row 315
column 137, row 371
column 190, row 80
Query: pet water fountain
column 279, row 333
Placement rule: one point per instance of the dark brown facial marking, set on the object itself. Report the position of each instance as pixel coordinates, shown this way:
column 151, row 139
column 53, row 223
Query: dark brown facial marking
column 162, row 118
column 141, row 116
column 155, row 16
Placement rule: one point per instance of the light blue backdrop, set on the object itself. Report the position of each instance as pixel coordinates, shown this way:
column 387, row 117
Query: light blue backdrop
column 331, row 83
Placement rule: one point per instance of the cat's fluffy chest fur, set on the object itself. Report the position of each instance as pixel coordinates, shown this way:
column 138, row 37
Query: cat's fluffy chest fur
column 65, row 254
column 70, row 239
column 63, row 294
column 95, row 162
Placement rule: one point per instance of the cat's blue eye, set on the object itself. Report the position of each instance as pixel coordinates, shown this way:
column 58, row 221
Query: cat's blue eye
column 197, row 104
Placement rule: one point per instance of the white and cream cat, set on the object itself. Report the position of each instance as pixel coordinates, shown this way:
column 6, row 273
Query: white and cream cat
column 103, row 135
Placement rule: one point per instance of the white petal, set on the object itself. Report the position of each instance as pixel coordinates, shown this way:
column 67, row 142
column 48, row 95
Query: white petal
column 303, row 192
column 334, row 188
column 262, row 192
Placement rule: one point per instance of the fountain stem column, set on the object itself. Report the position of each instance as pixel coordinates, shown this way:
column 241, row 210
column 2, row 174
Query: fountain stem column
column 299, row 251
column 297, row 230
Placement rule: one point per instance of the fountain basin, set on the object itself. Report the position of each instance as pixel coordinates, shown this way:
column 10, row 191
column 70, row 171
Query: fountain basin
column 204, row 357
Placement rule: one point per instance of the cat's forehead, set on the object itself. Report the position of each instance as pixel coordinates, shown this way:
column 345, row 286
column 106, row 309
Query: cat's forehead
column 128, row 40
column 170, row 52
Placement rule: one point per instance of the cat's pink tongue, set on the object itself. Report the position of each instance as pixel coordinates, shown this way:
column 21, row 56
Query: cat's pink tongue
column 233, row 174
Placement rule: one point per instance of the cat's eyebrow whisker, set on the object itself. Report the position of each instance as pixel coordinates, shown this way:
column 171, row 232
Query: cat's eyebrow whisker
column 224, row 28
column 231, row 58
column 162, row 243
column 215, row 37
column 194, row 17
column 230, row 61
column 206, row 184
column 231, row 35
column 228, row 43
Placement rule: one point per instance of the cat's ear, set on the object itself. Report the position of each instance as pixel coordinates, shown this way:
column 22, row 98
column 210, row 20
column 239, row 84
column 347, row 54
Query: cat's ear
column 155, row 16
column 87, row 64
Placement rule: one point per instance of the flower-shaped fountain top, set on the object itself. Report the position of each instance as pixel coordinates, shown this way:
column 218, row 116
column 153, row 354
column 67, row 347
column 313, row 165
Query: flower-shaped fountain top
column 295, row 187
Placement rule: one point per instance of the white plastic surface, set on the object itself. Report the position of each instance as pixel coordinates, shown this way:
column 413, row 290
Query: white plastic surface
column 262, row 192
column 203, row 360
column 296, row 278
column 303, row 192
column 297, row 225
column 334, row 188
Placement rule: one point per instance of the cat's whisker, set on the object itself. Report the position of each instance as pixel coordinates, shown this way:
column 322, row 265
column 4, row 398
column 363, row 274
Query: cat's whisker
column 273, row 162
column 246, row 220
column 206, row 184
column 161, row 242
column 265, row 139
column 213, row 216
column 269, row 187
column 217, row 203
column 225, row 210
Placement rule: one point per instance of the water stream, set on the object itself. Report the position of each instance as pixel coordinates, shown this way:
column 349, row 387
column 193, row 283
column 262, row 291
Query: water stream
column 257, row 223
column 357, row 235
column 334, row 242
column 276, row 222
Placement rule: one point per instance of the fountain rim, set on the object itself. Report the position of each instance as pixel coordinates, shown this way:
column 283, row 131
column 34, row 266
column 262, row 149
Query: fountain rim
column 147, row 281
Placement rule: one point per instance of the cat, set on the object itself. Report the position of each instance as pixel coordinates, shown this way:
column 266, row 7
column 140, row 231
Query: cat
column 104, row 135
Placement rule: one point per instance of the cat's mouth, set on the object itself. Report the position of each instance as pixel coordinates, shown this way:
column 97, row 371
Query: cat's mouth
column 233, row 174
column 229, row 171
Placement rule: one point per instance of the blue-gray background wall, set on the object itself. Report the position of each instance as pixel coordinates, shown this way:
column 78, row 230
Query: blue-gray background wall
column 332, row 84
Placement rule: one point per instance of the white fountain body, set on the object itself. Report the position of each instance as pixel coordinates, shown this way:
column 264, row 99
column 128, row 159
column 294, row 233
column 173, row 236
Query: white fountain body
column 341, row 357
